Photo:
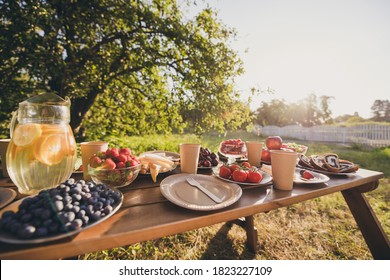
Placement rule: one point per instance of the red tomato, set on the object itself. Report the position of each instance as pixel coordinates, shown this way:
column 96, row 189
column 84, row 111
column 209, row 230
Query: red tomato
column 239, row 175
column 233, row 167
column 225, row 172
column 246, row 164
column 254, row 176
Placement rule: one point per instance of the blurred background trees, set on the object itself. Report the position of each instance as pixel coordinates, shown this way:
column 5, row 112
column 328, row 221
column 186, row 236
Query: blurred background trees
column 136, row 67
column 129, row 67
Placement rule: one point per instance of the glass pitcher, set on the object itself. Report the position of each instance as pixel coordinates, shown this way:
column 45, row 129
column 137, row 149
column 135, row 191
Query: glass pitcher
column 42, row 151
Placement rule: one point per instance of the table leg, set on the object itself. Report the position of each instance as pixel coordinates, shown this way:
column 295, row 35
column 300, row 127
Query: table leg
column 372, row 231
column 248, row 225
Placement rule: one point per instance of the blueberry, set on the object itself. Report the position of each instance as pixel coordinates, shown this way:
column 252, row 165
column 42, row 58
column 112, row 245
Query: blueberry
column 70, row 181
column 8, row 213
column 57, row 197
column 98, row 205
column 85, row 220
column 76, row 224
column 58, row 205
column 26, row 217
column 53, row 227
column 26, row 231
column 92, row 200
column 46, row 213
column 81, row 213
column 14, row 228
column 76, row 209
column 38, row 212
column 76, row 197
column 96, row 215
column 108, row 209
column 41, row 232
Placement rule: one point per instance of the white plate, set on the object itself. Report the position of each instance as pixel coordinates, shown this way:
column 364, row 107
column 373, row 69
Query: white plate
column 6, row 196
column 170, row 155
column 265, row 181
column 318, row 178
column 176, row 189
column 11, row 238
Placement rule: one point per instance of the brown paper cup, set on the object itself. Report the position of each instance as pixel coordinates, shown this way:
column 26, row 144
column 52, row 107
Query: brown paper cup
column 3, row 151
column 88, row 149
column 283, row 169
column 254, row 150
column 189, row 156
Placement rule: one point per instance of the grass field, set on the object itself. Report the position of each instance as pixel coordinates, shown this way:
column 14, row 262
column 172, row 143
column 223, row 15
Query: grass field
column 319, row 229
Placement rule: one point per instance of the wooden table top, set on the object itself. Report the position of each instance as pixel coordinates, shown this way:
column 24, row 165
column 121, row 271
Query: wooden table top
column 145, row 215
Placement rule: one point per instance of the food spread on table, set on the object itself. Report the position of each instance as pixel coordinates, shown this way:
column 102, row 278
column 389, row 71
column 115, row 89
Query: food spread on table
column 75, row 205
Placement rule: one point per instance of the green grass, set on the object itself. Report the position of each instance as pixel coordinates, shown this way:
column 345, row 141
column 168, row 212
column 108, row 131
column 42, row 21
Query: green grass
column 322, row 228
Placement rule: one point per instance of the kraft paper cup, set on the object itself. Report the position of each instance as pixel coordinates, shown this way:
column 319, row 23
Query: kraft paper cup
column 283, row 169
column 3, row 151
column 253, row 150
column 88, row 149
column 189, row 156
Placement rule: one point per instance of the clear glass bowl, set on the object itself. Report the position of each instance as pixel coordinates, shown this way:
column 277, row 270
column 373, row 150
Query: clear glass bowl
column 114, row 178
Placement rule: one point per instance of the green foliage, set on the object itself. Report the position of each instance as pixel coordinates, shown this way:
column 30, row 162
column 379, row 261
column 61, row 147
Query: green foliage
column 307, row 112
column 129, row 67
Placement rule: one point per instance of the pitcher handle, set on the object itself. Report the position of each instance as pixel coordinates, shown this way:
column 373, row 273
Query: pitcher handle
column 12, row 124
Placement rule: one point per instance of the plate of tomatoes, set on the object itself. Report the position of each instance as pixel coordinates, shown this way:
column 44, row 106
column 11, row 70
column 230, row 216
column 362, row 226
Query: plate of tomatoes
column 242, row 174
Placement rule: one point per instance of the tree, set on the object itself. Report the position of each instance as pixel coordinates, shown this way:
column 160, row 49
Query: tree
column 381, row 110
column 306, row 112
column 99, row 50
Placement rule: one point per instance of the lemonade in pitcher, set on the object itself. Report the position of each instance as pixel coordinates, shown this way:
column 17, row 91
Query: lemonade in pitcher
column 42, row 151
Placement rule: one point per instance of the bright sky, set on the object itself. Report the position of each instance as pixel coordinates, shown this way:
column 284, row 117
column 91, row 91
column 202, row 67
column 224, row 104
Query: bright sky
column 339, row 48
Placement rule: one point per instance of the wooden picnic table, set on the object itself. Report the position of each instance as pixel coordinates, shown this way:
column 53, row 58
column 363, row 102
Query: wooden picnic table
column 146, row 215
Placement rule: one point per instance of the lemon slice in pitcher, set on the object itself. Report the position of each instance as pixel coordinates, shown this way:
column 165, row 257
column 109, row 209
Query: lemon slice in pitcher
column 26, row 134
column 50, row 150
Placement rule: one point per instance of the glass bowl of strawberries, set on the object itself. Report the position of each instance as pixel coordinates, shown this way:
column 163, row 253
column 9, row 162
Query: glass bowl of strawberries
column 115, row 167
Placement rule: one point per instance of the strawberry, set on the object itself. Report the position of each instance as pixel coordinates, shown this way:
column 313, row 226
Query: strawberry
column 108, row 164
column 121, row 158
column 95, row 161
column 120, row 164
column 125, row 151
column 114, row 152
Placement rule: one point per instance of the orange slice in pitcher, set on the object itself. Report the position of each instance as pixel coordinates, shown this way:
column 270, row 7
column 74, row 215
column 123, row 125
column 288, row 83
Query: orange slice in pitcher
column 26, row 134
column 51, row 149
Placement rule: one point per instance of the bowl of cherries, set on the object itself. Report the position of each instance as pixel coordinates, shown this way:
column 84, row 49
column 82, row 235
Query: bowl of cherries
column 207, row 159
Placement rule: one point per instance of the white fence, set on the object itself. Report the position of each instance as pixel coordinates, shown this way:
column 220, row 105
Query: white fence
column 370, row 134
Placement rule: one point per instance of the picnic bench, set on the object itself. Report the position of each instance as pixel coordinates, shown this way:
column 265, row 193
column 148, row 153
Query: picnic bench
column 146, row 215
